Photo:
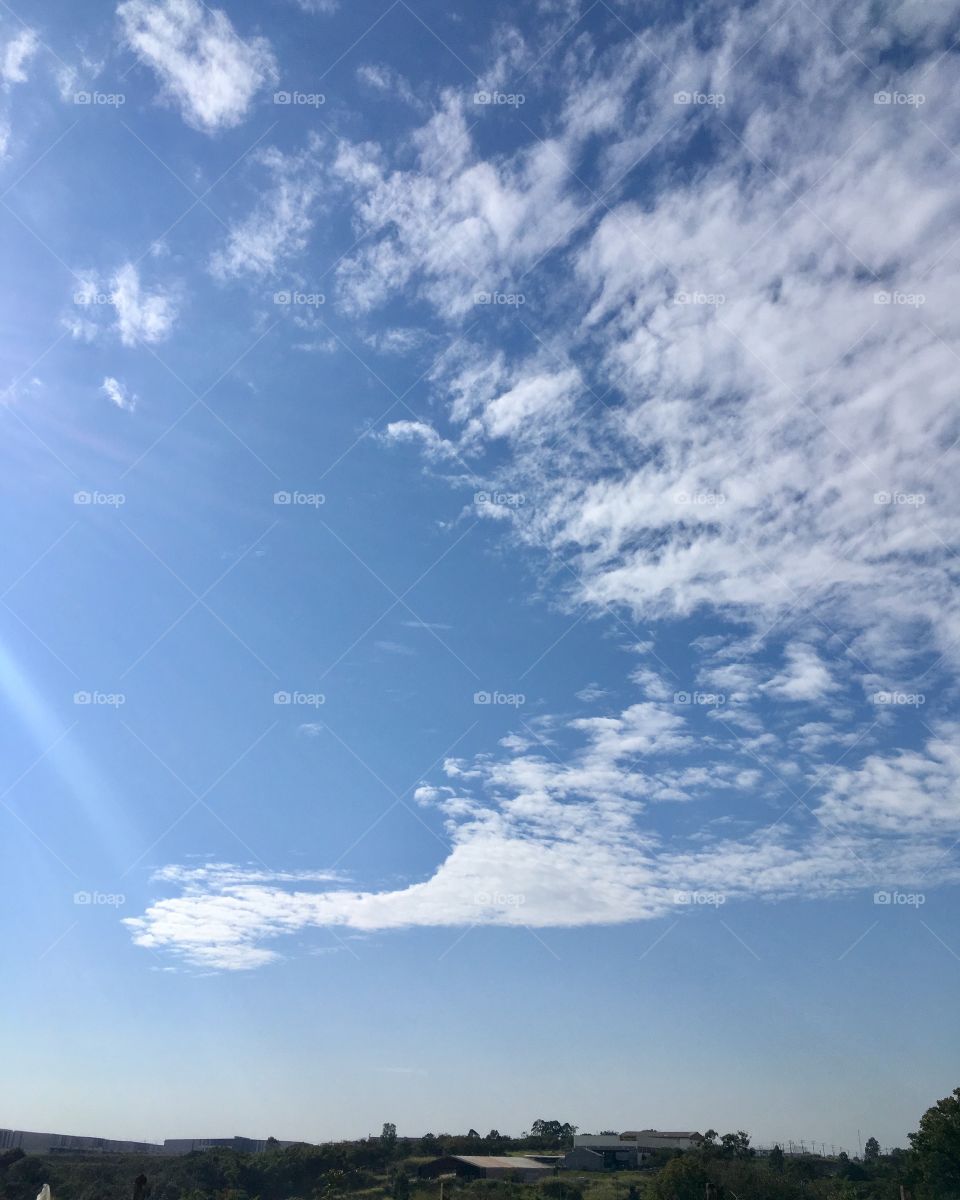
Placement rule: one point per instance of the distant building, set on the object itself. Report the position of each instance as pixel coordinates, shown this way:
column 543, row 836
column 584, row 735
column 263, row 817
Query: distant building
column 242, row 1145
column 68, row 1143
column 596, row 1151
column 487, row 1166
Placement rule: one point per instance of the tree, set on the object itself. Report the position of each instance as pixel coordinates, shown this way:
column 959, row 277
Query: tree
column 399, row 1185
column 552, row 1134
column 736, row 1145
column 388, row 1136
column 871, row 1150
column 776, row 1160
column 936, row 1146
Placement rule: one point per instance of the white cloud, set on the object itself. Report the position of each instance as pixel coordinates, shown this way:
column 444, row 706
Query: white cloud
column 140, row 315
column 573, row 844
column 714, row 415
column 117, row 393
column 15, row 56
column 324, row 7
column 204, row 66
column 805, row 677
column 279, row 226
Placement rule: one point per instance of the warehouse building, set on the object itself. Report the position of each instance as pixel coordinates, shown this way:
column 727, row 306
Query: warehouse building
column 600, row 1151
column 69, row 1143
column 487, row 1166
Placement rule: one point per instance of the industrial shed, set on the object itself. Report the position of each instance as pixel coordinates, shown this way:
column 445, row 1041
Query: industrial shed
column 486, row 1166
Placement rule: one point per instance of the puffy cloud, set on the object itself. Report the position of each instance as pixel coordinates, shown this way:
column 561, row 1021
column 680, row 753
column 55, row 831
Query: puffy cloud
column 117, row 393
column 805, row 677
column 138, row 314
column 141, row 315
column 15, row 55
column 204, row 66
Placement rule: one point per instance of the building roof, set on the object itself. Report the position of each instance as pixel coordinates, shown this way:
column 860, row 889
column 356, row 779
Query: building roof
column 510, row 1161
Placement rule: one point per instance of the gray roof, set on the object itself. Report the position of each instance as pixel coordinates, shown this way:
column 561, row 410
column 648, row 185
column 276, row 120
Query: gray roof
column 514, row 1162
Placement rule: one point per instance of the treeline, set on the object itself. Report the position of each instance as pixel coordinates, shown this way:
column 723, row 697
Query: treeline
column 300, row 1172
column 727, row 1167
column 384, row 1168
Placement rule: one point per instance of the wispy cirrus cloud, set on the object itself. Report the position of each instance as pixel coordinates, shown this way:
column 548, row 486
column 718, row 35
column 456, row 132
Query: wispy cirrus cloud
column 542, row 843
column 730, row 393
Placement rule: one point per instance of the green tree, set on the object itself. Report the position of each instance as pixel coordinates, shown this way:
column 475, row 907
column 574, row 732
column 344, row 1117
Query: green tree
column 388, row 1137
column 936, row 1146
column 871, row 1150
column 776, row 1160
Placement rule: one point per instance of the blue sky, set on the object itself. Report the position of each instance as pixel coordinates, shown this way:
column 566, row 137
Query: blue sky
column 478, row 569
